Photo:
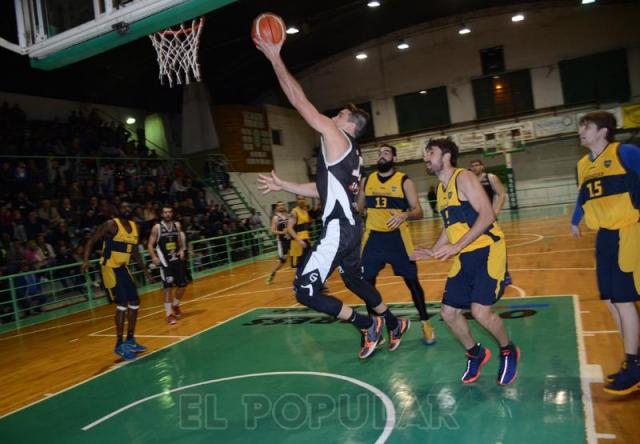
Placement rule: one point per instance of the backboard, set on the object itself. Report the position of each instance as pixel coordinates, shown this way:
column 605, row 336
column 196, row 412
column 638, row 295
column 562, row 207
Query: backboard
column 56, row 33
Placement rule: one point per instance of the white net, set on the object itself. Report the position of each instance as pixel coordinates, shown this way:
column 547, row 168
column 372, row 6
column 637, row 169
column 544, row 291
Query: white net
column 177, row 52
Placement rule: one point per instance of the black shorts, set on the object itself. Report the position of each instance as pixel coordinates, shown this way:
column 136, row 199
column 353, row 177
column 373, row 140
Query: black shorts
column 387, row 248
column 174, row 274
column 283, row 248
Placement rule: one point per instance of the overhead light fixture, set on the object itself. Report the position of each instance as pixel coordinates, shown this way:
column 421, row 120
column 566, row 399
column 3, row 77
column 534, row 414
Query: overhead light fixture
column 496, row 77
column 402, row 44
column 586, row 2
column 292, row 30
column 464, row 30
column 517, row 18
column 130, row 120
column 423, row 91
column 361, row 55
column 498, row 86
column 373, row 4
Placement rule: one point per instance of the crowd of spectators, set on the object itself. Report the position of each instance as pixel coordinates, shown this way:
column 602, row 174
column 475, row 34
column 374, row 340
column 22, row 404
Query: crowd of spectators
column 52, row 202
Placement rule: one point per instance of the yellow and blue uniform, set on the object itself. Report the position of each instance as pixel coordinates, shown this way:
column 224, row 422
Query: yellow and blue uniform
column 302, row 229
column 382, row 245
column 116, row 253
column 478, row 272
column 609, row 196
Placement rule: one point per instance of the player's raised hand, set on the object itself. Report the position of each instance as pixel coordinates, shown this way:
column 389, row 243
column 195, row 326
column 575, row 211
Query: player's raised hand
column 270, row 183
column 446, row 251
column 421, row 253
column 269, row 49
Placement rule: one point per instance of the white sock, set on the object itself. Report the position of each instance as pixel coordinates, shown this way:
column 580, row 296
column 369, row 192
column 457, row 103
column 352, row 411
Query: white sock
column 176, row 302
column 167, row 308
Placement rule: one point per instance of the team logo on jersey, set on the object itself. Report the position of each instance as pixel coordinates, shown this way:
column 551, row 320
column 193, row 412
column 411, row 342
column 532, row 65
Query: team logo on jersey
column 449, row 194
column 607, row 163
column 394, row 188
column 313, row 277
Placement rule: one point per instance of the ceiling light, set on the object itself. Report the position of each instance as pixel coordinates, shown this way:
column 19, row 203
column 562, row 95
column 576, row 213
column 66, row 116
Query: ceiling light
column 361, row 55
column 517, row 18
column 496, row 77
column 373, row 4
column 586, row 2
column 292, row 30
column 498, row 86
column 402, row 44
column 424, row 91
column 463, row 30
column 130, row 120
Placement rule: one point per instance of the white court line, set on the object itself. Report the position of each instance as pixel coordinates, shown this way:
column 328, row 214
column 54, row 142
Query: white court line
column 605, row 436
column 536, row 253
column 588, row 373
column 126, row 363
column 388, row 404
column 143, row 336
column 54, row 327
column 190, row 301
column 601, row 332
column 520, row 291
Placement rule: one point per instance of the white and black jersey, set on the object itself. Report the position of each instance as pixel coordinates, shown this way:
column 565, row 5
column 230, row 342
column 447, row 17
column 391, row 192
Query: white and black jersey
column 283, row 240
column 338, row 183
column 339, row 243
column 172, row 269
column 168, row 242
column 488, row 188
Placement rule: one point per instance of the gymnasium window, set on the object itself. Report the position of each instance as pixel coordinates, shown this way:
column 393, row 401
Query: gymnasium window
column 503, row 95
column 601, row 78
column 428, row 108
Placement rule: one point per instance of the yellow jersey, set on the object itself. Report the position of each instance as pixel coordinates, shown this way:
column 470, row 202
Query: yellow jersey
column 604, row 191
column 385, row 197
column 459, row 216
column 303, row 223
column 116, row 251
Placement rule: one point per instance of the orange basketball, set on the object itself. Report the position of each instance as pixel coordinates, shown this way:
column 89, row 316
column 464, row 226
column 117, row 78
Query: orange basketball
column 269, row 27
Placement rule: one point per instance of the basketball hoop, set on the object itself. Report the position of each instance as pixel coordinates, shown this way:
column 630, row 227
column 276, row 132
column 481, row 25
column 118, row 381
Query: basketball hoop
column 177, row 52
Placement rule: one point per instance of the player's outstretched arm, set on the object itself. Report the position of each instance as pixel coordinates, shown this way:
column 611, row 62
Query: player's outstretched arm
column 272, row 183
column 109, row 227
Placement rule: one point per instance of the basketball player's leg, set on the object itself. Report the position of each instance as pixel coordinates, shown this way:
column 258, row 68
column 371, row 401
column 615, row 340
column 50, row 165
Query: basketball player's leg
column 351, row 273
column 618, row 289
column 117, row 293
column 372, row 261
column 167, row 285
column 180, row 280
column 283, row 253
column 314, row 271
column 133, row 306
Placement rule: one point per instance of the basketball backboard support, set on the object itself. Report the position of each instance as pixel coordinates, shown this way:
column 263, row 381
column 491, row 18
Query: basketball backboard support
column 56, row 33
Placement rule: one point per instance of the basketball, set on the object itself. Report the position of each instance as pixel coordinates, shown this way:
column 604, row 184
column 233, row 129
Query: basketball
column 269, row 27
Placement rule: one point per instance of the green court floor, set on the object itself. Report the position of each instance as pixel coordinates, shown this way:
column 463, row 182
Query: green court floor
column 291, row 375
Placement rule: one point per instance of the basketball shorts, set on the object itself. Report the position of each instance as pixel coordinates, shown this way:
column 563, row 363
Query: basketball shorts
column 477, row 277
column 174, row 274
column 618, row 263
column 120, row 285
column 283, row 248
column 383, row 248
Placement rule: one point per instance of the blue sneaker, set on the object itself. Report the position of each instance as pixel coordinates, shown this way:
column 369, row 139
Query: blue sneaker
column 475, row 364
column 395, row 335
column 124, row 352
column 134, row 346
column 625, row 382
column 508, row 371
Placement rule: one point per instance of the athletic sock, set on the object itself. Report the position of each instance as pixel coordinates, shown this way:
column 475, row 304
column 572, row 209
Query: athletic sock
column 119, row 340
column 176, row 302
column 475, row 350
column 509, row 346
column 632, row 361
column 360, row 321
column 129, row 335
column 390, row 320
column 167, row 308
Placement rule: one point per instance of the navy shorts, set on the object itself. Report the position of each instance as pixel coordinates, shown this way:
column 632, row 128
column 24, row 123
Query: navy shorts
column 120, row 285
column 613, row 283
column 387, row 248
column 477, row 277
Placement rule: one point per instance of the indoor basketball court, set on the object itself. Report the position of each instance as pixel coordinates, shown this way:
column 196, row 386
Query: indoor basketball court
column 246, row 361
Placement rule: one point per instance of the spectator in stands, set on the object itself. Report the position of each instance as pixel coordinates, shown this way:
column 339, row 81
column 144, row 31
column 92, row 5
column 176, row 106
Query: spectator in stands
column 29, row 291
column 178, row 189
column 6, row 306
column 18, row 231
column 45, row 250
column 59, row 235
column 76, row 194
column 254, row 220
column 49, row 213
column 34, row 225
column 23, row 203
column 105, row 179
column 68, row 212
